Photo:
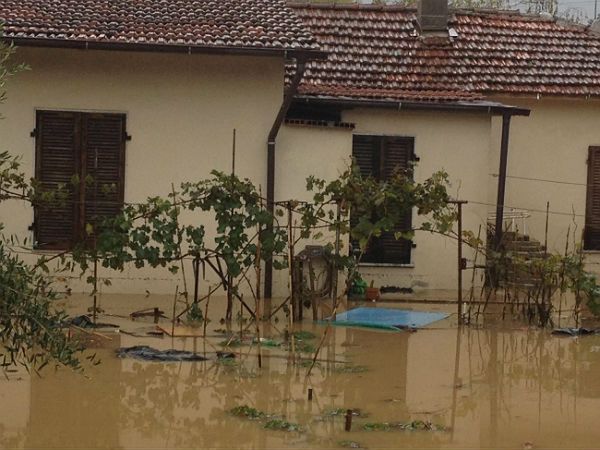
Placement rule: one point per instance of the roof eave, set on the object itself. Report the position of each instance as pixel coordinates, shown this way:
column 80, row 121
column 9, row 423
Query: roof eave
column 303, row 54
column 480, row 106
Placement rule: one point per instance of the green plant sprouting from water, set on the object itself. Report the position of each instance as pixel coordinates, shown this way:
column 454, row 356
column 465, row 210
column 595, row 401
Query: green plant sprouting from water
column 415, row 425
column 271, row 422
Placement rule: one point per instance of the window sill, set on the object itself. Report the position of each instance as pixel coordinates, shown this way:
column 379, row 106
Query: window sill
column 591, row 252
column 49, row 251
column 399, row 266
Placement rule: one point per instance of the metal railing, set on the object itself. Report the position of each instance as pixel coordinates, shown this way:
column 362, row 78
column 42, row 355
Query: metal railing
column 514, row 220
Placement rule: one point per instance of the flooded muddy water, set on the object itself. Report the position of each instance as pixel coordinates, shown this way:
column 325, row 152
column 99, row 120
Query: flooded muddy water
column 499, row 386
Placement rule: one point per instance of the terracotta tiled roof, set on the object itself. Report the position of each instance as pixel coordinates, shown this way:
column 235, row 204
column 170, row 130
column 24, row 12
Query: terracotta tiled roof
column 242, row 24
column 378, row 52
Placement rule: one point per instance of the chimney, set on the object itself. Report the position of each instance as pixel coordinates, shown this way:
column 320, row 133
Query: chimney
column 433, row 15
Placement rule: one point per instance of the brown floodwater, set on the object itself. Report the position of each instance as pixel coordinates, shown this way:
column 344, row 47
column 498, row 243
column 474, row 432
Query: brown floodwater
column 498, row 386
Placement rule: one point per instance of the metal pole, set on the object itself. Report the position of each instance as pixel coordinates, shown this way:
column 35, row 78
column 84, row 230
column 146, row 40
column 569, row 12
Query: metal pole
column 335, row 273
column 455, row 383
column 460, row 318
column 546, row 231
column 460, row 264
column 233, row 154
column 502, row 179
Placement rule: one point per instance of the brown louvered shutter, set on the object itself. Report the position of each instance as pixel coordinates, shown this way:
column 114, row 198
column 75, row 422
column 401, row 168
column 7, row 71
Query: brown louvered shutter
column 366, row 152
column 103, row 148
column 57, row 162
column 380, row 157
column 399, row 153
column 591, row 235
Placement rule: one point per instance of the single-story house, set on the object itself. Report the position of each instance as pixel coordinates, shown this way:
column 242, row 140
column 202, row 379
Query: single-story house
column 150, row 92
column 444, row 86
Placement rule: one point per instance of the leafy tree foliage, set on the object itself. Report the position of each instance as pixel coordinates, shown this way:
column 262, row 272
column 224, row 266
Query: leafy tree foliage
column 31, row 327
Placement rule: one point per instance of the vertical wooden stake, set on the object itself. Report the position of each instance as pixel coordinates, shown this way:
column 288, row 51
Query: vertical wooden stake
column 206, row 313
column 175, row 204
column 174, row 310
column 241, row 318
column 472, row 290
column 95, row 312
column 196, row 267
column 348, row 425
column 546, row 232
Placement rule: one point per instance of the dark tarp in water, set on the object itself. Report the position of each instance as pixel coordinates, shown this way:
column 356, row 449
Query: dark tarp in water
column 151, row 354
column 86, row 322
column 573, row 331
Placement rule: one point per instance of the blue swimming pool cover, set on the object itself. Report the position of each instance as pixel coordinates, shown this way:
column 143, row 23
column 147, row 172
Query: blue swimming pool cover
column 387, row 318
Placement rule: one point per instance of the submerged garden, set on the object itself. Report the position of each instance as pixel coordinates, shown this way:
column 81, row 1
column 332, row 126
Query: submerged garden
column 218, row 365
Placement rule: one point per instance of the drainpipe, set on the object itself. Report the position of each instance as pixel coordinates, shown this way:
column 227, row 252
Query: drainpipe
column 502, row 179
column 288, row 96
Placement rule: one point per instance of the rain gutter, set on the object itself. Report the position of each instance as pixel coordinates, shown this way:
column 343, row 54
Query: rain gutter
column 163, row 48
column 288, row 97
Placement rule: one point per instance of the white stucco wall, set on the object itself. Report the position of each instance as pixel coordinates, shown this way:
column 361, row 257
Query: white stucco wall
column 181, row 111
column 551, row 144
column 303, row 151
column 458, row 143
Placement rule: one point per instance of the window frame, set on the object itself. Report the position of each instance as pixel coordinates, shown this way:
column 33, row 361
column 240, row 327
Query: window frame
column 79, row 212
column 381, row 171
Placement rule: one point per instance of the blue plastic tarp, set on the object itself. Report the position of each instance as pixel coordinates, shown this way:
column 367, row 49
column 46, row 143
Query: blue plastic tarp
column 387, row 318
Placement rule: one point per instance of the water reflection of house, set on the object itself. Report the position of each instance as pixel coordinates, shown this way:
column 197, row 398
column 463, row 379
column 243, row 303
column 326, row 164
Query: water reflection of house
column 70, row 410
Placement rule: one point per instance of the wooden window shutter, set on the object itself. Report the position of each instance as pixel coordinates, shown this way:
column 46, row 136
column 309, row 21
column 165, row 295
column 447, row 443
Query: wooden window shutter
column 365, row 151
column 103, row 155
column 398, row 153
column 591, row 236
column 57, row 149
column 381, row 156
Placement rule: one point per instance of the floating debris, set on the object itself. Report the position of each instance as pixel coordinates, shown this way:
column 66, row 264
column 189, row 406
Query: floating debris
column 85, row 322
column 234, row 342
column 272, row 422
column 349, row 444
column 147, row 353
column 308, row 363
column 221, row 331
column 415, row 425
column 341, row 412
column 304, row 335
column 303, row 347
column 266, row 342
column 281, row 425
column 573, row 331
column 248, row 412
column 228, row 362
column 350, row 368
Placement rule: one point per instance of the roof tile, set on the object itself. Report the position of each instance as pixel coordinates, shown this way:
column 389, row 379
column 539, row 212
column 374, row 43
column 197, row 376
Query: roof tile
column 266, row 24
column 377, row 52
